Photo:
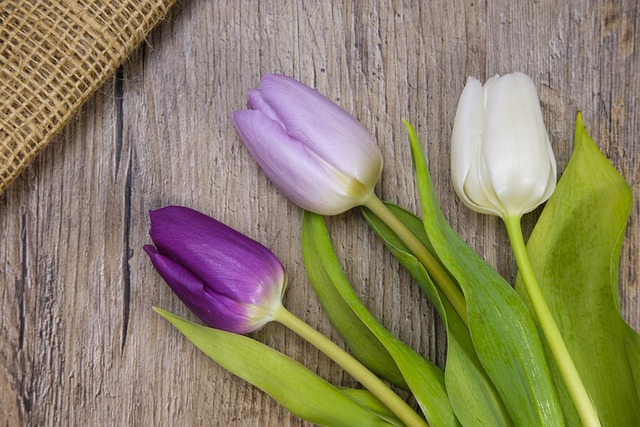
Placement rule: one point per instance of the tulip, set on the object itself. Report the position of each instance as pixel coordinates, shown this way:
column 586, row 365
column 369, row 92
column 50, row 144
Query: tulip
column 229, row 281
column 502, row 164
column 501, row 158
column 233, row 283
column 319, row 156
column 323, row 160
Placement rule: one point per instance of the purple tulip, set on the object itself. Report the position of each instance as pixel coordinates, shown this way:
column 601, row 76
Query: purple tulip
column 229, row 281
column 315, row 152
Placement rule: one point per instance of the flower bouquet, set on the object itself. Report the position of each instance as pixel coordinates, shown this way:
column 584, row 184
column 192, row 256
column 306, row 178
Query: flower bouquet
column 551, row 350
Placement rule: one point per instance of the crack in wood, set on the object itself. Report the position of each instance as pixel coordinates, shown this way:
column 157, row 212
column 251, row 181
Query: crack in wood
column 127, row 253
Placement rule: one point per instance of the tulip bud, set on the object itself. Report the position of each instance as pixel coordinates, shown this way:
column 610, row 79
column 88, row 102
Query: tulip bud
column 501, row 158
column 229, row 281
column 319, row 156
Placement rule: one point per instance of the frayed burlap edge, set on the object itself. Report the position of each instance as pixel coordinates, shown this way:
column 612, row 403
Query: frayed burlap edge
column 54, row 55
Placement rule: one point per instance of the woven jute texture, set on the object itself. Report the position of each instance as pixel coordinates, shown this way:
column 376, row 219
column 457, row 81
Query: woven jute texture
column 54, row 55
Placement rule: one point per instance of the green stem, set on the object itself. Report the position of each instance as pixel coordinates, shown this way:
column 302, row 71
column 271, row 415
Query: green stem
column 437, row 273
column 549, row 327
column 353, row 367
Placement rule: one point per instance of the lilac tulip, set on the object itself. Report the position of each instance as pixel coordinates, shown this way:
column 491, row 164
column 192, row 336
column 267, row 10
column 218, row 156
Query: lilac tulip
column 319, row 156
column 229, row 281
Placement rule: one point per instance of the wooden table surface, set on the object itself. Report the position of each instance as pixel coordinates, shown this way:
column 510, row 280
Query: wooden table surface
column 79, row 343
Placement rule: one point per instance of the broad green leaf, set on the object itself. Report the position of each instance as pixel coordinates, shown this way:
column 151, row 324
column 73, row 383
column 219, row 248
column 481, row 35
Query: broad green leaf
column 425, row 380
column 295, row 387
column 503, row 331
column 472, row 395
column 633, row 352
column 362, row 342
column 574, row 250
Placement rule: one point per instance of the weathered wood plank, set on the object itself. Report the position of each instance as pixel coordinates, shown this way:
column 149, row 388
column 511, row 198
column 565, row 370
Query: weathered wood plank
column 79, row 344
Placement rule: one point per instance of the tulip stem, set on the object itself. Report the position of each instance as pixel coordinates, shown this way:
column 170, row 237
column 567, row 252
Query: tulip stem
column 374, row 384
column 437, row 273
column 550, row 329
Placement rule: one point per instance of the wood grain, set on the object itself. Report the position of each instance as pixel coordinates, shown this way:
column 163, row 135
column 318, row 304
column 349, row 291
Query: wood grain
column 79, row 344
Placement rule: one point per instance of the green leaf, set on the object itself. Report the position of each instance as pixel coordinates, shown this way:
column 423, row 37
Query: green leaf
column 367, row 400
column 346, row 311
column 503, row 331
column 295, row 387
column 365, row 346
column 574, row 250
column 472, row 395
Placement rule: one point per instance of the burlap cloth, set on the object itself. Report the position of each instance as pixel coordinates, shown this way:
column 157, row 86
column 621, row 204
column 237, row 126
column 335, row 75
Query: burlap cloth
column 53, row 56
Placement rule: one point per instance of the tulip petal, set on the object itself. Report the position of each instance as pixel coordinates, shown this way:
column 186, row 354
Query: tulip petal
column 551, row 185
column 228, row 262
column 467, row 132
column 516, row 144
column 480, row 192
column 324, row 127
column 465, row 148
column 257, row 102
column 305, row 178
column 216, row 310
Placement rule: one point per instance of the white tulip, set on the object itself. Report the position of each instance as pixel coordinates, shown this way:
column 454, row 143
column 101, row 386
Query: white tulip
column 501, row 158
